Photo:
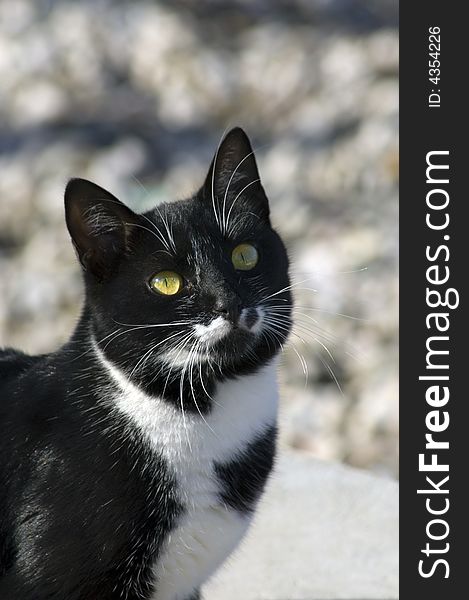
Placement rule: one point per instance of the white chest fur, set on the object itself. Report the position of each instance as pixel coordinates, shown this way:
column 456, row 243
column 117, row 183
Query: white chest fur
column 208, row 532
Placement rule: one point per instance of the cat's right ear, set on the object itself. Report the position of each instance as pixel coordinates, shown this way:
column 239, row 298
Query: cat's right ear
column 232, row 173
column 99, row 225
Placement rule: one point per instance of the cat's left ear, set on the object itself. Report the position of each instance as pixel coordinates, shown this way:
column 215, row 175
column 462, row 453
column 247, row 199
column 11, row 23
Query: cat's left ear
column 99, row 225
column 233, row 175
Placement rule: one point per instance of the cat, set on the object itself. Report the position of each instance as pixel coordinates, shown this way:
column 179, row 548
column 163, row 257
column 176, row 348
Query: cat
column 132, row 459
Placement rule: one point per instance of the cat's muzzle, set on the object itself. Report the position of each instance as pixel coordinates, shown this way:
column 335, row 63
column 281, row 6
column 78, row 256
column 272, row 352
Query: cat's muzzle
column 250, row 320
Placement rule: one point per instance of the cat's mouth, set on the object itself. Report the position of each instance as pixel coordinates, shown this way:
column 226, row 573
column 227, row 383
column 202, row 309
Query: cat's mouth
column 249, row 322
column 220, row 335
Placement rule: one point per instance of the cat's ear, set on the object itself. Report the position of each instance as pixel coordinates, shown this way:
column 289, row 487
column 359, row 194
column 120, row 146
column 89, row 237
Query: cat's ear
column 99, row 224
column 233, row 173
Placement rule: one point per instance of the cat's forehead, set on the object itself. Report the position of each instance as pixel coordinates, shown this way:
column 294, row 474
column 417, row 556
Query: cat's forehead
column 185, row 221
column 201, row 227
column 184, row 231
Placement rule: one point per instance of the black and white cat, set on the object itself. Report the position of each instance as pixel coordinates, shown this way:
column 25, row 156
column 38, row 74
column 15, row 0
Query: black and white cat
column 132, row 459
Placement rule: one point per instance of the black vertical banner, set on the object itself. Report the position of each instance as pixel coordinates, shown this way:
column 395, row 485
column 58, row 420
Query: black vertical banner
column 433, row 300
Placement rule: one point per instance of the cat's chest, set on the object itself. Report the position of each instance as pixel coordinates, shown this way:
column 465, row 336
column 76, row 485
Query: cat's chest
column 219, row 463
column 204, row 535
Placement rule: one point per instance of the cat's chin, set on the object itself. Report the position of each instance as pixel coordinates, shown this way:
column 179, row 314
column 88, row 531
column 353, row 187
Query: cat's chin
column 218, row 329
column 236, row 342
column 220, row 342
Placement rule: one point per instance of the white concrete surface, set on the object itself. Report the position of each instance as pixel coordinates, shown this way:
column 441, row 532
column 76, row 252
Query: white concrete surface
column 323, row 531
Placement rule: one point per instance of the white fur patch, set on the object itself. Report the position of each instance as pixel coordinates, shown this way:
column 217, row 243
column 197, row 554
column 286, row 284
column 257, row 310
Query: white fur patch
column 257, row 327
column 177, row 359
column 209, row 531
column 207, row 334
column 214, row 331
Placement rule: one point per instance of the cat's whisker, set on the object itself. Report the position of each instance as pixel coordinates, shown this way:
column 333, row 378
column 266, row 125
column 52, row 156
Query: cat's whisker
column 318, row 275
column 150, row 325
column 229, row 183
column 306, row 324
column 197, row 345
column 91, row 349
column 181, row 397
column 159, row 237
column 140, row 184
column 325, row 363
column 202, row 382
column 289, row 287
column 157, row 229
column 303, row 329
column 331, row 372
column 337, row 314
column 171, row 241
column 270, row 332
column 303, row 363
column 281, row 311
column 118, row 335
column 239, row 222
column 234, row 202
column 319, row 331
column 124, row 332
column 171, row 234
column 326, row 349
column 282, row 326
column 291, row 311
column 141, row 362
column 265, row 333
column 330, row 312
column 179, row 348
column 214, row 167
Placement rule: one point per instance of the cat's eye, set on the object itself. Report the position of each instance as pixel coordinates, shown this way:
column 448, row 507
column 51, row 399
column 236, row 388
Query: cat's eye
column 244, row 257
column 167, row 283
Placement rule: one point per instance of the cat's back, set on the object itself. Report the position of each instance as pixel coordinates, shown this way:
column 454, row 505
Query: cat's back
column 29, row 391
column 14, row 366
column 24, row 386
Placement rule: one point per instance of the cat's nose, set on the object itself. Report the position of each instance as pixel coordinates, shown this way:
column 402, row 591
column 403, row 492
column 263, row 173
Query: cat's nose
column 230, row 309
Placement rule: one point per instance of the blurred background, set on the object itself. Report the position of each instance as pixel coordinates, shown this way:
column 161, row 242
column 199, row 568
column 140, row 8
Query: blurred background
column 135, row 96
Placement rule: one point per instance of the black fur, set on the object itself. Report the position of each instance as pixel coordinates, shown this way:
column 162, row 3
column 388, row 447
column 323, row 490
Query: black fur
column 243, row 478
column 82, row 516
column 84, row 507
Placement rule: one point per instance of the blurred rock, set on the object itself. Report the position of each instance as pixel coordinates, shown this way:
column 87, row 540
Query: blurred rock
column 323, row 531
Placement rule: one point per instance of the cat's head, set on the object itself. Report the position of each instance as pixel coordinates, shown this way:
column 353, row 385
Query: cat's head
column 190, row 282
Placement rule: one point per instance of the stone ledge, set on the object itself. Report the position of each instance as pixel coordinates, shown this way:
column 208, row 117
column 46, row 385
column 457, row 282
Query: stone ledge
column 323, row 531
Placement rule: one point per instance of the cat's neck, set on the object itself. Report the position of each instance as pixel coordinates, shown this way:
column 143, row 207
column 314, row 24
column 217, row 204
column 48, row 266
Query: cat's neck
column 239, row 410
column 96, row 355
column 190, row 385
column 189, row 382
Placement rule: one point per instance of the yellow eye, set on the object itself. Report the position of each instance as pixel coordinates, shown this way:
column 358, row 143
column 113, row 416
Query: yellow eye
column 244, row 257
column 167, row 283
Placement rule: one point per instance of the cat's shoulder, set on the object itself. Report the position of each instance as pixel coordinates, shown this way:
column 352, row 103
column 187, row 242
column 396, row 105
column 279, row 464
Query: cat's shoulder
column 16, row 366
column 14, row 362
